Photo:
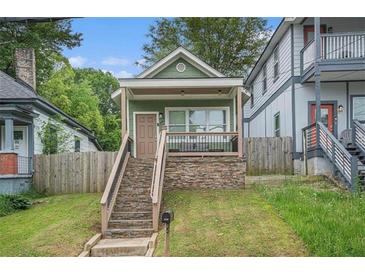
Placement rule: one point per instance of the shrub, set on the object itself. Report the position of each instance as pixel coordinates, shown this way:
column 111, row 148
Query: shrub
column 11, row 203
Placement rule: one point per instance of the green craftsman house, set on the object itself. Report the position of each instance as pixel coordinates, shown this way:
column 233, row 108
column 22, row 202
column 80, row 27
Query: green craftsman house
column 200, row 107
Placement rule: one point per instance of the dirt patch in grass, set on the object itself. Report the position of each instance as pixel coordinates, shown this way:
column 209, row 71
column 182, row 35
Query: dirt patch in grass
column 227, row 223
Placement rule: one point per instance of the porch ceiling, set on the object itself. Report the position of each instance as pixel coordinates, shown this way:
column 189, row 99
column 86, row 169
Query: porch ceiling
column 335, row 76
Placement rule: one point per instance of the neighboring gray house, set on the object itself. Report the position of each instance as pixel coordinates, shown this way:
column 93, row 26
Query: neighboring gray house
column 22, row 114
column 284, row 87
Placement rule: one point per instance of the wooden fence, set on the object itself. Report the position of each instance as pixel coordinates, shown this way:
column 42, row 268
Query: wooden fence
column 89, row 171
column 268, row 155
column 72, row 172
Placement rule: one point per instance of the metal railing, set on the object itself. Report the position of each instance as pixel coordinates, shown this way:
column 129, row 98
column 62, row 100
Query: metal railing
column 358, row 134
column 334, row 47
column 114, row 181
column 338, row 155
column 158, row 178
column 25, row 165
column 202, row 143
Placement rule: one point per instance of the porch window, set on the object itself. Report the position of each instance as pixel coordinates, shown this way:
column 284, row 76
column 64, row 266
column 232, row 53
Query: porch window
column 277, row 124
column 358, row 112
column 264, row 79
column 198, row 120
column 177, row 121
column 276, row 63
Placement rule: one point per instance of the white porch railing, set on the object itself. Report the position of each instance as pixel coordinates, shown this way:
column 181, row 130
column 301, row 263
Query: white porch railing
column 335, row 47
column 358, row 134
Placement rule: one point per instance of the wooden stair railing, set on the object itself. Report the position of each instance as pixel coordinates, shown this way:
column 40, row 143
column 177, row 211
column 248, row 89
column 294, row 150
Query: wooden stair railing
column 157, row 179
column 111, row 190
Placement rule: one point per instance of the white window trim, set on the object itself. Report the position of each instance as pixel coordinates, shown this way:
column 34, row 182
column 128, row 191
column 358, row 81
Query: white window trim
column 135, row 128
column 277, row 114
column 186, row 109
column 277, row 62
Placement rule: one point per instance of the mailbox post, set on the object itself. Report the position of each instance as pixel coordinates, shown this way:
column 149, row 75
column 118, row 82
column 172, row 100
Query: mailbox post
column 166, row 218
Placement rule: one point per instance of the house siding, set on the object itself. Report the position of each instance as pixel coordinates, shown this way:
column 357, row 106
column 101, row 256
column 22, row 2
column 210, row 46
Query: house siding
column 171, row 72
column 329, row 92
column 85, row 143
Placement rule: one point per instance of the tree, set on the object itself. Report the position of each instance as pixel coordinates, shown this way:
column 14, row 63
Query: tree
column 230, row 45
column 102, row 84
column 76, row 98
column 47, row 39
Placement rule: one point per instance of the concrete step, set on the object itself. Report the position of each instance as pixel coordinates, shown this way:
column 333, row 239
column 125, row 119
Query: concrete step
column 131, row 224
column 120, row 247
column 131, row 215
column 128, row 233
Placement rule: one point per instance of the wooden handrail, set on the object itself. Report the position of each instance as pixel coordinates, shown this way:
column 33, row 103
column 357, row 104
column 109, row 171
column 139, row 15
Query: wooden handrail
column 111, row 189
column 157, row 179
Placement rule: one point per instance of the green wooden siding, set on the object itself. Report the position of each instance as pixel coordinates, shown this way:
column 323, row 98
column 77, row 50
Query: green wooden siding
column 159, row 106
column 190, row 71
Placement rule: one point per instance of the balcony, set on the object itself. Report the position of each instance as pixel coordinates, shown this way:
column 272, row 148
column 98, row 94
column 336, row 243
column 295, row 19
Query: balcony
column 339, row 52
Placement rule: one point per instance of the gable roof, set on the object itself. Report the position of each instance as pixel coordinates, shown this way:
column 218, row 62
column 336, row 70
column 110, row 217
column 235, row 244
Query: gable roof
column 180, row 52
column 15, row 91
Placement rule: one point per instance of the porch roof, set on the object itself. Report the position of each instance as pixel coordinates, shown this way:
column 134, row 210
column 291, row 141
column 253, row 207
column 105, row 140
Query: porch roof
column 172, row 87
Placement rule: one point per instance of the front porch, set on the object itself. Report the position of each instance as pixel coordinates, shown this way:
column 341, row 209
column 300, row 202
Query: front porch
column 16, row 148
column 200, row 119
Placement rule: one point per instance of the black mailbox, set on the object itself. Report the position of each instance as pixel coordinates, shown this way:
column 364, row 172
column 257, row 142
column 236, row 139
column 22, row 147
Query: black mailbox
column 167, row 217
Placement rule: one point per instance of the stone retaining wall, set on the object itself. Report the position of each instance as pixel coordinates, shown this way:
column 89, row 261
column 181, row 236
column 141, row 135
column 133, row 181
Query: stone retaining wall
column 207, row 172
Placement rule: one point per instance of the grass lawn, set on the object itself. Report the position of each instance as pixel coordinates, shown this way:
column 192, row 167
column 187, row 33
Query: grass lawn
column 54, row 226
column 294, row 219
column 330, row 222
column 228, row 223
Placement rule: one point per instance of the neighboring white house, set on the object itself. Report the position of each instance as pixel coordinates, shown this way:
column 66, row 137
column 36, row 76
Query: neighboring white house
column 22, row 115
column 282, row 84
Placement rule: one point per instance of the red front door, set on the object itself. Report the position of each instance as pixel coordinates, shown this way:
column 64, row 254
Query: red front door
column 309, row 33
column 326, row 115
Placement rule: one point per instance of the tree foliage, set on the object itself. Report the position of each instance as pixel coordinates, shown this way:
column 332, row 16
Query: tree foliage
column 230, row 45
column 76, row 98
column 47, row 39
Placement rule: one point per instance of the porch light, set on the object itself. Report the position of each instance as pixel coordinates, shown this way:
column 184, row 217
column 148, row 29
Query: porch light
column 340, row 108
column 219, row 91
column 182, row 92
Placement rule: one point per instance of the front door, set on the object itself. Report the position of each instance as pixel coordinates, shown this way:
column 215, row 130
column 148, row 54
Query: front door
column 327, row 115
column 146, row 135
column 308, row 33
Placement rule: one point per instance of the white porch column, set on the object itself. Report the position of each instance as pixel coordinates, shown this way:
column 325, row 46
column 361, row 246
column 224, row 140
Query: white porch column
column 239, row 121
column 123, row 110
column 9, row 134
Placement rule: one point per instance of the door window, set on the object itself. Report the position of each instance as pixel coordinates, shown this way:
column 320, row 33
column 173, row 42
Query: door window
column 326, row 115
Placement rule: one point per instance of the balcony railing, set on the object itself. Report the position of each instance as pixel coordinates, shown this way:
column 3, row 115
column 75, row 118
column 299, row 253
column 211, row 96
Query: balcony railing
column 202, row 143
column 335, row 47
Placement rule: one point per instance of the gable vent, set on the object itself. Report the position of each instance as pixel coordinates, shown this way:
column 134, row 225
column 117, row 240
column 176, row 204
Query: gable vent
column 180, row 67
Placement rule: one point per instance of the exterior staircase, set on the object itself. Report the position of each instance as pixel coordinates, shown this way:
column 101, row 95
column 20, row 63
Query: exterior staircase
column 355, row 151
column 130, row 225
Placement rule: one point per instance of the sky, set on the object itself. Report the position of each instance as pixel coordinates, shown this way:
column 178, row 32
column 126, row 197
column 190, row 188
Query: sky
column 115, row 44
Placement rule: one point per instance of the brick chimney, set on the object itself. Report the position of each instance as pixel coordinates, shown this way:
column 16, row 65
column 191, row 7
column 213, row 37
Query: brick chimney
column 25, row 66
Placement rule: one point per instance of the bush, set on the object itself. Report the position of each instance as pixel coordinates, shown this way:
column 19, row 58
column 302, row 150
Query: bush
column 11, row 203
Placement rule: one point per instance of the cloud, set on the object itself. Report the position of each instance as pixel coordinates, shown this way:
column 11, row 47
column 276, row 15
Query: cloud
column 115, row 61
column 77, row 61
column 120, row 74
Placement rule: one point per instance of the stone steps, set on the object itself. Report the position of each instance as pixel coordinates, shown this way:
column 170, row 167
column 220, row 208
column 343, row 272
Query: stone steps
column 132, row 213
column 128, row 233
column 136, row 223
column 121, row 247
column 123, row 215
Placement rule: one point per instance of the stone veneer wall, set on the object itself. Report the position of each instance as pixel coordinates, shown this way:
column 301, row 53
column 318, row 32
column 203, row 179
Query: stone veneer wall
column 204, row 172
